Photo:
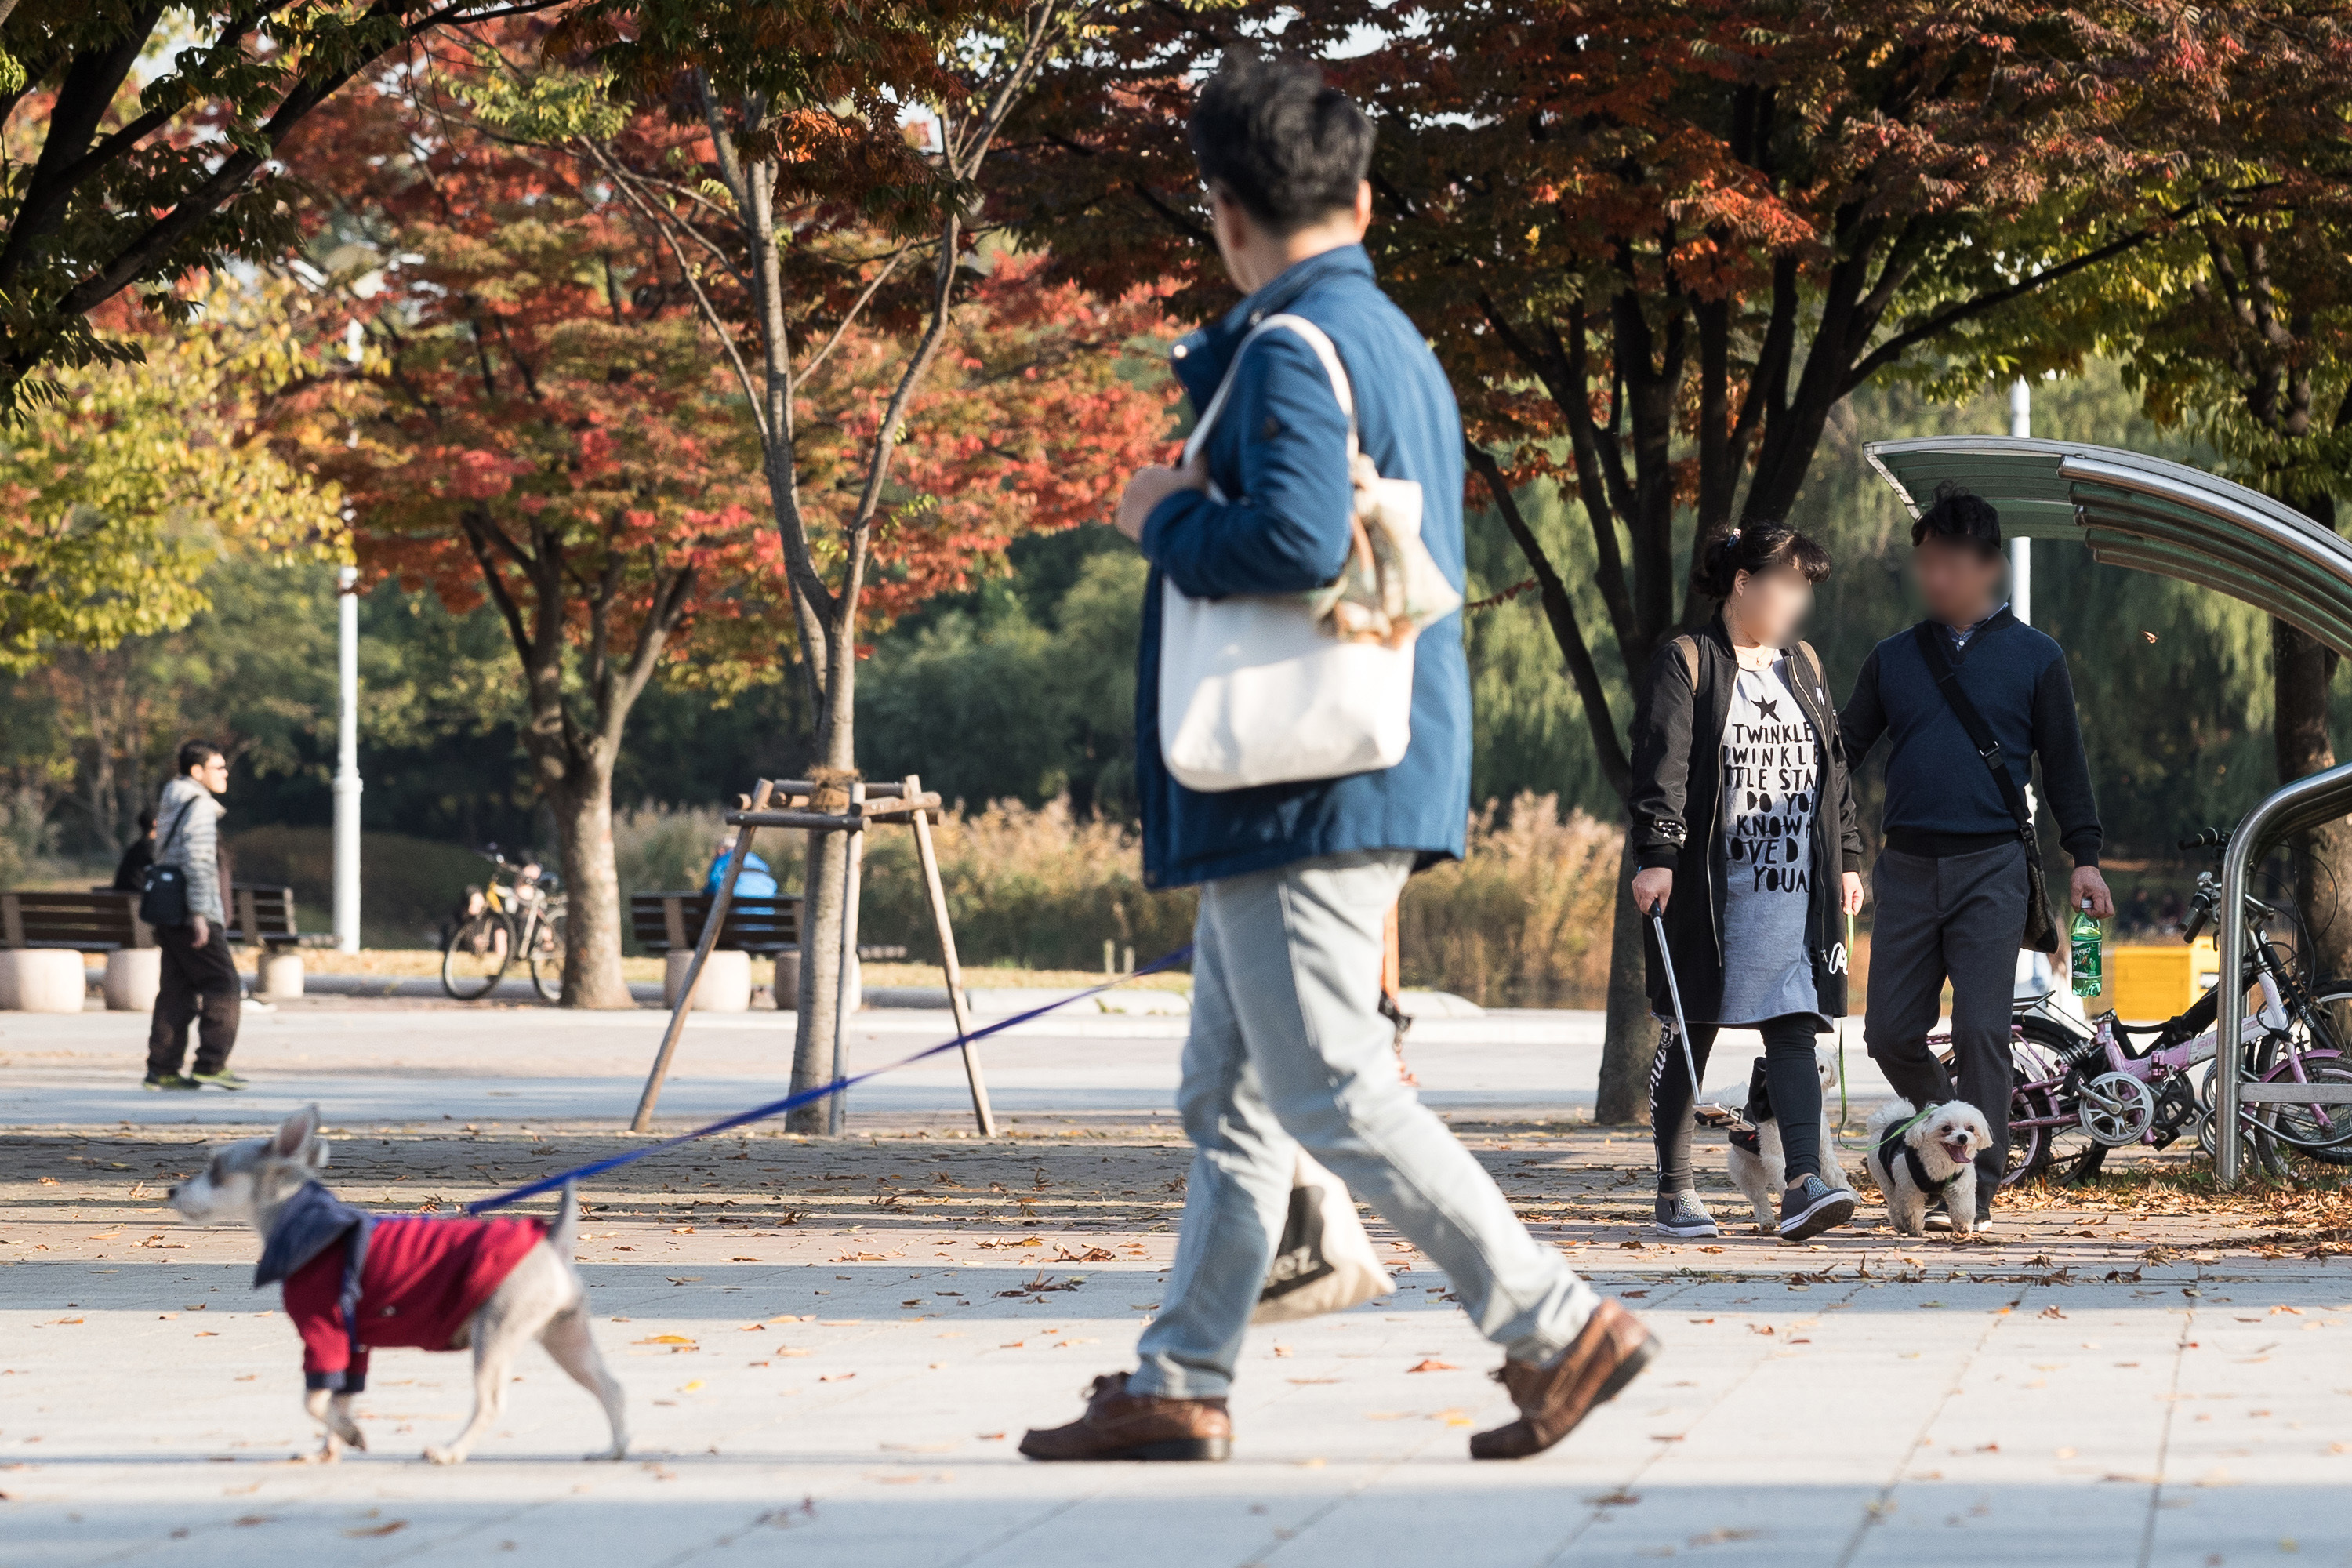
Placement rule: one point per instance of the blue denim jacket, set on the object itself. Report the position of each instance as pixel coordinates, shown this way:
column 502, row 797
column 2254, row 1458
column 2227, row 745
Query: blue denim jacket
column 1279, row 450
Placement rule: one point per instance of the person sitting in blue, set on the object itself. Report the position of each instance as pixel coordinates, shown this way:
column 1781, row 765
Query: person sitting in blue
column 754, row 881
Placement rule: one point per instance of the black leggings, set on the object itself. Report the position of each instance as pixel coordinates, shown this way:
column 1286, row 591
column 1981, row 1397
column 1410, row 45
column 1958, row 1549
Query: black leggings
column 1789, row 1073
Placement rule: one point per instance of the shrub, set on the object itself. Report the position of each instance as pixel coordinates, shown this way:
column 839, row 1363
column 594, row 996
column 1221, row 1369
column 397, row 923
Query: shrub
column 1524, row 918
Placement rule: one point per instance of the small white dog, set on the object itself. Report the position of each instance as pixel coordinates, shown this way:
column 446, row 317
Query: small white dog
column 1762, row 1173
column 1918, row 1157
column 355, row 1281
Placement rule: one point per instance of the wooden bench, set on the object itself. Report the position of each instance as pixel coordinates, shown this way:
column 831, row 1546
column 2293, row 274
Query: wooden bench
column 263, row 916
column 672, row 922
column 99, row 920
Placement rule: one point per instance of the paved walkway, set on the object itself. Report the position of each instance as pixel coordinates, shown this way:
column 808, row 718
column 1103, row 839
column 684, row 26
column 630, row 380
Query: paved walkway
column 831, row 1346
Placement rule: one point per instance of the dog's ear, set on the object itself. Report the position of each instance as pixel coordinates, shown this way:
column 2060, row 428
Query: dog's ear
column 296, row 1133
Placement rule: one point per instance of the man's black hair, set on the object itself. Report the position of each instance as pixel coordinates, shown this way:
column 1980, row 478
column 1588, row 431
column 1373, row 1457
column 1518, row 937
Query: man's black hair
column 146, row 820
column 1960, row 517
column 196, row 754
column 1274, row 136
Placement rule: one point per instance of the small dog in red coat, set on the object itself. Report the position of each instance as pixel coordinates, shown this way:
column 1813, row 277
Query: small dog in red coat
column 354, row 1282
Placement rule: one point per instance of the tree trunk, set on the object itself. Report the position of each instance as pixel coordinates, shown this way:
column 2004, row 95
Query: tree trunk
column 820, row 978
column 822, row 907
column 583, row 808
column 1630, row 1039
column 2300, row 668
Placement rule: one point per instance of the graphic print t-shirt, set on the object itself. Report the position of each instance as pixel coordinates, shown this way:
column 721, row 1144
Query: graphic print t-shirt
column 1771, row 768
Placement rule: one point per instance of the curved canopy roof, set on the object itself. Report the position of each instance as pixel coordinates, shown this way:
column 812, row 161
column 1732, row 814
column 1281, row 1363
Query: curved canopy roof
column 2146, row 513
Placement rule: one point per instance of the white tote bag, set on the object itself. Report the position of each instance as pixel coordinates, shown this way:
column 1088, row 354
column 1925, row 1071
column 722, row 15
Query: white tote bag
column 1274, row 688
column 1326, row 1262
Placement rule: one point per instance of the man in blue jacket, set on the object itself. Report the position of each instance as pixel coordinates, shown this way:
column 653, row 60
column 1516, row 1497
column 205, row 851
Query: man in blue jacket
column 1289, row 1050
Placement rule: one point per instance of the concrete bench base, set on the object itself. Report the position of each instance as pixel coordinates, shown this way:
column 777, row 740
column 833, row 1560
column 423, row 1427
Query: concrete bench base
column 788, row 982
column 725, row 985
column 281, row 975
column 133, row 975
column 42, row 980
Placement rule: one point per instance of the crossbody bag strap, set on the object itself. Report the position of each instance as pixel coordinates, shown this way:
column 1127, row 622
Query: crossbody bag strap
column 1316, row 338
column 1980, row 735
column 178, row 822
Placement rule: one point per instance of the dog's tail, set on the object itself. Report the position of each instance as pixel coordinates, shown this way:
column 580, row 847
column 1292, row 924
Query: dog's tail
column 565, row 1232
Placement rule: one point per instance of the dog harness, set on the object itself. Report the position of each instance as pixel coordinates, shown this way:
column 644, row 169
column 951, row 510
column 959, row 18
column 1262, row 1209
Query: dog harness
column 1892, row 1146
column 407, row 1281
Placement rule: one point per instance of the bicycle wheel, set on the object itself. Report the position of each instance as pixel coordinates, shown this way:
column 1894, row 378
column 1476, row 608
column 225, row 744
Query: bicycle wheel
column 2042, row 1130
column 547, row 943
column 2330, row 1037
column 476, row 955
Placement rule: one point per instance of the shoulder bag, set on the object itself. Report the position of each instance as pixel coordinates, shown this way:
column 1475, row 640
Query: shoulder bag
column 164, row 896
column 1282, row 688
column 2041, row 924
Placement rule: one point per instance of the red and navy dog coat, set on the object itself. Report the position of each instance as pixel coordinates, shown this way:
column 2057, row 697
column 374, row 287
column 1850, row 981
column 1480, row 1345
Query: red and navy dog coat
column 410, row 1281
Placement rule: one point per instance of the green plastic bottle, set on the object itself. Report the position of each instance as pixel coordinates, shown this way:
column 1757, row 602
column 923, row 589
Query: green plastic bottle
column 2087, row 960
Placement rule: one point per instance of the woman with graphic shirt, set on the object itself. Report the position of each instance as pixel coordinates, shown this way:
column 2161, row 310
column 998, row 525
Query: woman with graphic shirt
column 1746, row 841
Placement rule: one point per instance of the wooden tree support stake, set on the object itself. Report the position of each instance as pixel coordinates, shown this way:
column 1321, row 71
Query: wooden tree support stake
column 904, row 802
column 712, row 924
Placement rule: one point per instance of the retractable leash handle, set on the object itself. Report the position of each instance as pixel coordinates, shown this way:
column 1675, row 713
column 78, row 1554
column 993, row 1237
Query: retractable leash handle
column 1702, row 1109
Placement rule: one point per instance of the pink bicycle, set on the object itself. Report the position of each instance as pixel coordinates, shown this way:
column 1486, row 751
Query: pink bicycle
column 2077, row 1092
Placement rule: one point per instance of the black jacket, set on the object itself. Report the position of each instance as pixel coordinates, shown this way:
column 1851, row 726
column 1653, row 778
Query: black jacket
column 1678, row 812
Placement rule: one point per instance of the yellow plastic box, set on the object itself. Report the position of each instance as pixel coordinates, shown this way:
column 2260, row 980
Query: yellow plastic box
column 2157, row 982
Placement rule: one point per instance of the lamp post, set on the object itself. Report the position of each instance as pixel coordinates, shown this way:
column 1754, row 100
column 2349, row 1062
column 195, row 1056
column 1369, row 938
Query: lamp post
column 347, row 767
column 2021, row 549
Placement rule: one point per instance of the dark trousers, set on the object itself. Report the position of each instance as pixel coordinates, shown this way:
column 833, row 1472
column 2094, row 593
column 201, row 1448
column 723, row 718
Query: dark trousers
column 1959, row 918
column 198, row 982
column 1794, row 1081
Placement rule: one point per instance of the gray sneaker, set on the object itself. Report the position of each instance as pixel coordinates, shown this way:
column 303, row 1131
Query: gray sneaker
column 1683, row 1216
column 1811, row 1206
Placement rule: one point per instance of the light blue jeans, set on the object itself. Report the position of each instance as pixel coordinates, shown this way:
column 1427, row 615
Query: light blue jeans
column 1289, row 1050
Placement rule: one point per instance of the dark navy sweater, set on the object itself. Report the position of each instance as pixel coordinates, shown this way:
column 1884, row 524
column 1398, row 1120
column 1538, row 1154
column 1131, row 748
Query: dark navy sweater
column 1941, row 799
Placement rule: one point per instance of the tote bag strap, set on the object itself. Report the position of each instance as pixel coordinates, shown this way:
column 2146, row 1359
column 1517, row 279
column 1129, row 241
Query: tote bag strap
column 1325, row 350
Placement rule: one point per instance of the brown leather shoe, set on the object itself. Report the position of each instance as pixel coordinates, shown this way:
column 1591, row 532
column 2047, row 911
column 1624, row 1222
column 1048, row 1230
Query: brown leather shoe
column 1554, row 1397
column 1122, row 1425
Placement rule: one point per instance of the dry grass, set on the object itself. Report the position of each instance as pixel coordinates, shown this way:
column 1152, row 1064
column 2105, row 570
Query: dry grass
column 1525, row 917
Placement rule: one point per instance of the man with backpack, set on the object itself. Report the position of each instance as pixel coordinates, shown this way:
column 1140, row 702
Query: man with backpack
column 1966, row 700
column 199, row 978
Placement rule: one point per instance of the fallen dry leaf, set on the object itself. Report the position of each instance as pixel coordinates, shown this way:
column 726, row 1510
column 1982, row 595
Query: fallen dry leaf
column 385, row 1529
column 1432, row 1363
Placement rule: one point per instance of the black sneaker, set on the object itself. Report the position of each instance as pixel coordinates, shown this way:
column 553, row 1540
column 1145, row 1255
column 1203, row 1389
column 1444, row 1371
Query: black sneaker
column 1682, row 1215
column 1939, row 1216
column 1810, row 1206
column 224, row 1078
column 157, row 1083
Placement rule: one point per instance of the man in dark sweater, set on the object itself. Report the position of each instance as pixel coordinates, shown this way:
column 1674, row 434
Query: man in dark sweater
column 1950, row 884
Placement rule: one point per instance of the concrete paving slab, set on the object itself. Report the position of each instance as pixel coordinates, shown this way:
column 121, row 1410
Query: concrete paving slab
column 863, row 1342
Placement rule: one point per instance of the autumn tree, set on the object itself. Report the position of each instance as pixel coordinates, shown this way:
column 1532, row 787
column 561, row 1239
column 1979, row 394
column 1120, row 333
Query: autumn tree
column 1656, row 242
column 142, row 147
column 2239, row 324
column 521, row 413
column 117, row 495
column 828, row 225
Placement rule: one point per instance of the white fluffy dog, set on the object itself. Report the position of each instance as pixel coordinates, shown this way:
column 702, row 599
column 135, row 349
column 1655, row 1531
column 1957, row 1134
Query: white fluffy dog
column 1916, row 1158
column 1762, row 1173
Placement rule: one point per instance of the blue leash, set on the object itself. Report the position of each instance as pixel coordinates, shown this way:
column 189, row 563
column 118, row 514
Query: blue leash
column 811, row 1096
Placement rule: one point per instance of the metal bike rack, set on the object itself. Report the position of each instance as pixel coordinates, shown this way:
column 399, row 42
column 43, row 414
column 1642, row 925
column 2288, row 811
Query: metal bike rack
column 2297, row 808
column 2181, row 522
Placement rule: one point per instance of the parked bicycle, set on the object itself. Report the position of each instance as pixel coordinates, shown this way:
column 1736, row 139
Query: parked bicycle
column 2079, row 1090
column 522, row 917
